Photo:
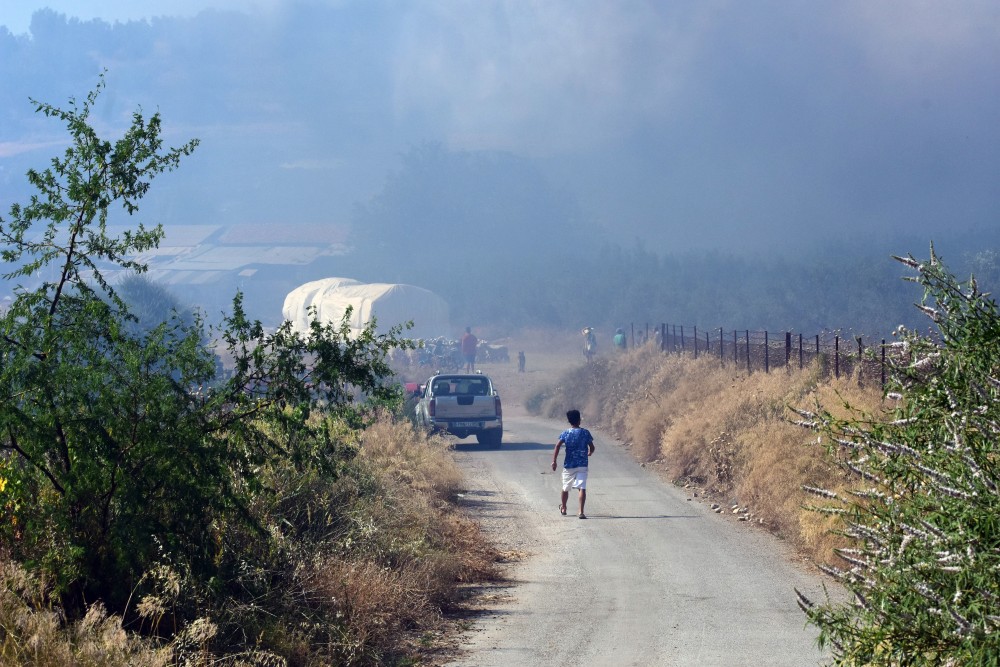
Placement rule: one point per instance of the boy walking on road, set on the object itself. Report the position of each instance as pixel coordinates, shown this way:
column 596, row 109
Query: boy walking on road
column 579, row 446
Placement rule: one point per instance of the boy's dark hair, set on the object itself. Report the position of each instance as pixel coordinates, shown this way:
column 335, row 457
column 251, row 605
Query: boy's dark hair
column 573, row 416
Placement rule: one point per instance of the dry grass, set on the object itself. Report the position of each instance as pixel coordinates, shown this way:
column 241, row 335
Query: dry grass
column 722, row 431
column 363, row 562
column 419, row 480
column 32, row 632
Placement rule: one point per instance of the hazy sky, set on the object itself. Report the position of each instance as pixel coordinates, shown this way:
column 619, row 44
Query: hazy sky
column 16, row 14
column 684, row 122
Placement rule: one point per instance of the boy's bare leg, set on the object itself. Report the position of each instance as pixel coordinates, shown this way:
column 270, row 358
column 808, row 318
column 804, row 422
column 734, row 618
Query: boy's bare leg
column 564, row 496
column 583, row 499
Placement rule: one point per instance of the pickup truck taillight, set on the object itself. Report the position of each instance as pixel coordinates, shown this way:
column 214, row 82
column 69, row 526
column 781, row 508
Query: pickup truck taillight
column 499, row 407
column 431, row 407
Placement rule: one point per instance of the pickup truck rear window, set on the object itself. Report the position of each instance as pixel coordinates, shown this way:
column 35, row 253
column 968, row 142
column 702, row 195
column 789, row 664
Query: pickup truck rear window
column 473, row 388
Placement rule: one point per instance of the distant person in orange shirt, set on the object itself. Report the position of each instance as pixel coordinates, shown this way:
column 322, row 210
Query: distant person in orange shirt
column 469, row 345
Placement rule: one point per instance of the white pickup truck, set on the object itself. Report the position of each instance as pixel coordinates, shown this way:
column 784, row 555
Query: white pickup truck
column 463, row 405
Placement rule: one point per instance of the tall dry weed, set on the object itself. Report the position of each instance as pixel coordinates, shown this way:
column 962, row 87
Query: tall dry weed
column 419, row 478
column 420, row 462
column 33, row 632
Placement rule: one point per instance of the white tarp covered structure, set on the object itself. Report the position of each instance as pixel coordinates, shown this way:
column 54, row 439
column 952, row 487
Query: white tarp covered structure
column 390, row 304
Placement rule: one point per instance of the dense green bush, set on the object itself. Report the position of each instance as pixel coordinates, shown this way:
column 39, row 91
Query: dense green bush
column 925, row 514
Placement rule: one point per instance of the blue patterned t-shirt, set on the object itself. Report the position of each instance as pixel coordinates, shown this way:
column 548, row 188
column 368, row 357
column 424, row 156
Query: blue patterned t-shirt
column 577, row 442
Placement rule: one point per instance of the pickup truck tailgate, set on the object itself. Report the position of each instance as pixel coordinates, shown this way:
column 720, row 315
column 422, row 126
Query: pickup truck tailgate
column 465, row 407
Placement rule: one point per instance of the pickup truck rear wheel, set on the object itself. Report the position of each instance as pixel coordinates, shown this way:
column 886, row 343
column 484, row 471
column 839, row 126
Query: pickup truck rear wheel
column 490, row 438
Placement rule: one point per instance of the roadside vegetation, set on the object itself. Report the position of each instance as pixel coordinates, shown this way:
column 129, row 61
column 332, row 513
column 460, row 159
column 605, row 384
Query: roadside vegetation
column 897, row 497
column 173, row 493
column 923, row 510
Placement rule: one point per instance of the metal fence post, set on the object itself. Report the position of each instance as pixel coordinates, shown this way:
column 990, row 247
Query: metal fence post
column 836, row 356
column 767, row 355
column 748, row 352
column 883, row 364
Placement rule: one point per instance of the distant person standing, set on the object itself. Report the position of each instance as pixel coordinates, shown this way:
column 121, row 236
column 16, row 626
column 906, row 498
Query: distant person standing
column 469, row 345
column 589, row 343
column 579, row 447
column 520, row 361
column 621, row 342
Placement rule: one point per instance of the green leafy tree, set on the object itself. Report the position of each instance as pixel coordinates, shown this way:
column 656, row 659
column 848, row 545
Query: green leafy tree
column 122, row 446
column 925, row 514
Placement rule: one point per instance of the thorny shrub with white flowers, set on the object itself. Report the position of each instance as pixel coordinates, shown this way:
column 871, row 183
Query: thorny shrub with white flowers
column 924, row 512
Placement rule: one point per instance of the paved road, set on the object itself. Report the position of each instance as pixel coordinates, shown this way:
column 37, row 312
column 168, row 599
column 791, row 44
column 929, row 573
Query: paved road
column 651, row 578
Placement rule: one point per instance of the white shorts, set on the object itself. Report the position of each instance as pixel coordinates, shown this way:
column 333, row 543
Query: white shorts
column 574, row 478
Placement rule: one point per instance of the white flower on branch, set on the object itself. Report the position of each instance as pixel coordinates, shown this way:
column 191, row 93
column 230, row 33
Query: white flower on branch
column 925, row 591
column 952, row 402
column 954, row 493
column 869, row 494
column 848, row 444
column 867, row 534
column 857, row 470
column 905, row 542
column 940, row 477
column 802, row 413
column 852, row 551
column 825, row 493
column 932, row 529
column 912, row 532
column 898, row 448
column 963, row 625
column 979, row 474
column 922, row 364
column 857, row 562
column 825, row 509
column 931, row 313
column 834, row 572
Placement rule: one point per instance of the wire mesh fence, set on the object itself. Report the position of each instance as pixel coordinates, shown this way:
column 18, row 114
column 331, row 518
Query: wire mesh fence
column 764, row 351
